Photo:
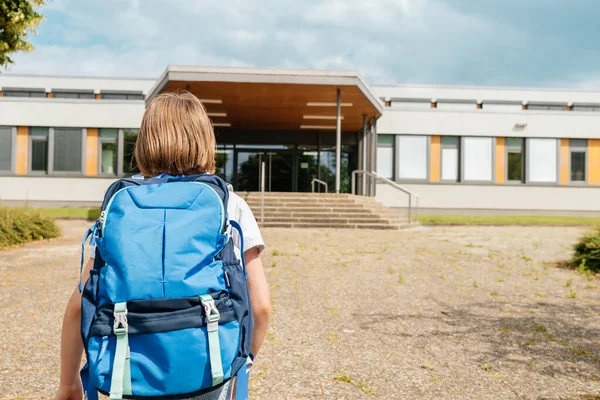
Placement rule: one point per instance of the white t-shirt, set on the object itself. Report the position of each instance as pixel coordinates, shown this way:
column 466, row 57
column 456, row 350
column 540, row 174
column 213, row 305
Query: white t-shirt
column 239, row 211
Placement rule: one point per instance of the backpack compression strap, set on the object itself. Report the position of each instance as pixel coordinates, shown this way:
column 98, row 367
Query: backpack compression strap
column 214, row 346
column 121, row 373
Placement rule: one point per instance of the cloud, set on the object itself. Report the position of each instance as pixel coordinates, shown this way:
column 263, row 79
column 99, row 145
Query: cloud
column 504, row 42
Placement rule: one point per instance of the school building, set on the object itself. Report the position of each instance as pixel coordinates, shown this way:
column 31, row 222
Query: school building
column 63, row 140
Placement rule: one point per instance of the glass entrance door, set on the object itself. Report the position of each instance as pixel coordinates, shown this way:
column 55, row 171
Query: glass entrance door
column 308, row 163
column 287, row 168
column 279, row 170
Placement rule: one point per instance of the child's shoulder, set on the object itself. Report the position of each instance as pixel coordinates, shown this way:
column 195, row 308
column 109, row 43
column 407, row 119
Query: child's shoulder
column 238, row 208
column 239, row 211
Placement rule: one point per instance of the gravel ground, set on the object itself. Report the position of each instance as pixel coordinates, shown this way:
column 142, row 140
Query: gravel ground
column 428, row 313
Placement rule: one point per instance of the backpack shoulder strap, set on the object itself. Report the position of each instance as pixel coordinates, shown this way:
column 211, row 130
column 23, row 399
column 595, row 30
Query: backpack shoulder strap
column 118, row 185
column 218, row 184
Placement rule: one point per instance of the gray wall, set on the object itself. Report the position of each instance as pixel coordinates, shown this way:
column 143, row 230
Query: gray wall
column 494, row 197
column 50, row 191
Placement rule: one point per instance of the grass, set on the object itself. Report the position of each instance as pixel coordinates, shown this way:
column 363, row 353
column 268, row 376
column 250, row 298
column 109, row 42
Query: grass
column 19, row 225
column 94, row 213
column 507, row 220
column 361, row 384
column 364, row 386
column 72, row 213
column 342, row 378
column 582, row 353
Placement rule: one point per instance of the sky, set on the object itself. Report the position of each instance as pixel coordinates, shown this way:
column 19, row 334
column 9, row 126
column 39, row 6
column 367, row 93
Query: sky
column 515, row 43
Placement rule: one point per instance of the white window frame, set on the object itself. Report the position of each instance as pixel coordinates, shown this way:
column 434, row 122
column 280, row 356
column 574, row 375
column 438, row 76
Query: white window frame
column 528, row 163
column 397, row 159
column 119, row 142
column 458, row 160
column 492, row 159
column 389, row 146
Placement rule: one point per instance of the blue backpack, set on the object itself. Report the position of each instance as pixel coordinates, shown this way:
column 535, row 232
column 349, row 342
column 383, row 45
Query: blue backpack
column 166, row 311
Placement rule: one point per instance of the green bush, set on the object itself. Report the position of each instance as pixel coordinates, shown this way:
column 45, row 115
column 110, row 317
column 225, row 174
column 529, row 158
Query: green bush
column 22, row 225
column 587, row 252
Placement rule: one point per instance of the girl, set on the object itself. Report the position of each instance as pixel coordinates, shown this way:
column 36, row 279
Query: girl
column 176, row 138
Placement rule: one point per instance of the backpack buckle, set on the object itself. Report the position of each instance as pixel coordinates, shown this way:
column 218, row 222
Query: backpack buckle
column 120, row 325
column 210, row 310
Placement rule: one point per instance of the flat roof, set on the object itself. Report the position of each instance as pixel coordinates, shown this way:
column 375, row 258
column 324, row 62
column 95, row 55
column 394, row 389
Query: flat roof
column 275, row 99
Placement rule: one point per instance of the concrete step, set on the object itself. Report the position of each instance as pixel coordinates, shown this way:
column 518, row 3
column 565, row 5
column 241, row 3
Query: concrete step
column 300, row 200
column 330, row 220
column 307, row 206
column 319, row 212
column 328, row 214
column 246, row 195
column 331, row 226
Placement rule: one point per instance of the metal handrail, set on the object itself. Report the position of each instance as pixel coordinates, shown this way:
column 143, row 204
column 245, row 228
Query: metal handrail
column 312, row 184
column 395, row 186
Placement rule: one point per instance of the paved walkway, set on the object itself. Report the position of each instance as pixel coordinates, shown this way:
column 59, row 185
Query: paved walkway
column 443, row 313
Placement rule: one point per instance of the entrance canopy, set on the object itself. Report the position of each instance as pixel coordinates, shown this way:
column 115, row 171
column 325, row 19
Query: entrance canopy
column 275, row 99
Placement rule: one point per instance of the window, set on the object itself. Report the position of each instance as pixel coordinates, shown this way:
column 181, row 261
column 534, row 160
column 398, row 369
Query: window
column 514, row 160
column 412, row 157
column 38, row 143
column 411, row 103
column 578, row 157
column 224, row 160
column 108, row 146
column 450, row 157
column 477, row 159
column 129, row 138
column 24, row 92
column 385, row 156
column 547, row 107
column 6, row 148
column 73, row 94
column 122, row 95
column 586, row 107
column 542, row 160
column 68, row 150
column 503, row 106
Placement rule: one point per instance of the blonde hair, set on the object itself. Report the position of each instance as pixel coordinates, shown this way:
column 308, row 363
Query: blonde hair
column 176, row 137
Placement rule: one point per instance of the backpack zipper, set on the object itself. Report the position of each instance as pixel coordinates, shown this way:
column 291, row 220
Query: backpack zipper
column 220, row 203
column 104, row 213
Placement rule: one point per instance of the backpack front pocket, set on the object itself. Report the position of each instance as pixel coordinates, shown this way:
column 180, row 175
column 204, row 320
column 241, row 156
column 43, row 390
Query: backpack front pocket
column 168, row 346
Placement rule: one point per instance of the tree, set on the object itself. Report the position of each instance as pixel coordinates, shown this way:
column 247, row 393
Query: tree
column 17, row 19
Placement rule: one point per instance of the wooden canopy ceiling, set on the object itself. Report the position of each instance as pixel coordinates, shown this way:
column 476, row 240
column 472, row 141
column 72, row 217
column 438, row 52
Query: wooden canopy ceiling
column 283, row 100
